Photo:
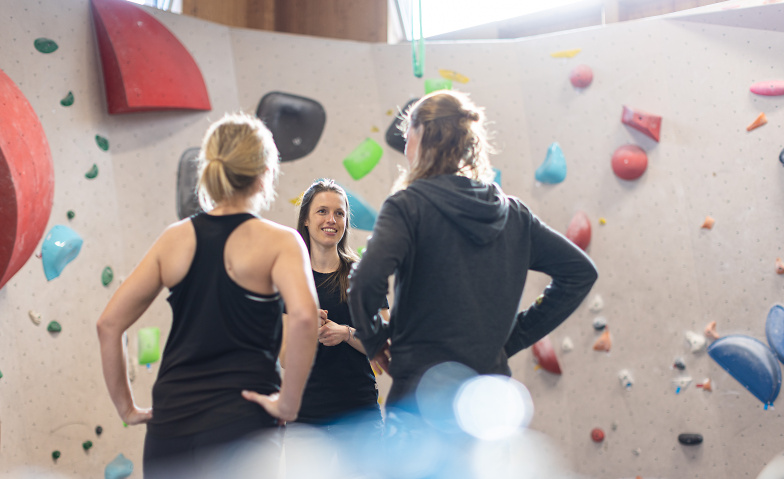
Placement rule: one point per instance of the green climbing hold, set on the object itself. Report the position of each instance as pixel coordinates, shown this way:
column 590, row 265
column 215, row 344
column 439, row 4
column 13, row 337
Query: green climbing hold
column 1, row 374
column 92, row 173
column 361, row 251
column 87, row 445
column 54, row 327
column 107, row 276
column 103, row 143
column 363, row 159
column 68, row 100
column 435, row 84
column 70, row 214
column 98, row 430
column 45, row 45
column 55, row 455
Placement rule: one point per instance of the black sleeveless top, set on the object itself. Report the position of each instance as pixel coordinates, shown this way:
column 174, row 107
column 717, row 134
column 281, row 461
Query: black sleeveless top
column 223, row 339
column 341, row 381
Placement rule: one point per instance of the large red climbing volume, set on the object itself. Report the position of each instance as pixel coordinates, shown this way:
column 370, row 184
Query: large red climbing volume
column 145, row 67
column 26, row 179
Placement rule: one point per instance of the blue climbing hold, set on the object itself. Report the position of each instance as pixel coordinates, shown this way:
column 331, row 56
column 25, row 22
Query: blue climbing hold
column 553, row 170
column 751, row 363
column 61, row 246
column 774, row 330
column 497, row 178
column 363, row 216
column 120, row 468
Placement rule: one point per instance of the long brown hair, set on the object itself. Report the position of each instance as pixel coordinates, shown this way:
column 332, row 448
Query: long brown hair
column 454, row 139
column 346, row 254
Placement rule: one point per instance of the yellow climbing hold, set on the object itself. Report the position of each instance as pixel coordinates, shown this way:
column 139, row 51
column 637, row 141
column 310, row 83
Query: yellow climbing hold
column 374, row 129
column 298, row 200
column 566, row 53
column 453, row 75
column 602, row 221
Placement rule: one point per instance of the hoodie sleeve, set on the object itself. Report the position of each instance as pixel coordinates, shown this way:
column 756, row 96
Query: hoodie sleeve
column 369, row 279
column 573, row 274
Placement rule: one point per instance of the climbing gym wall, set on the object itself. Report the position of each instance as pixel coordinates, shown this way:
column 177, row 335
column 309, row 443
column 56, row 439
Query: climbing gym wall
column 662, row 274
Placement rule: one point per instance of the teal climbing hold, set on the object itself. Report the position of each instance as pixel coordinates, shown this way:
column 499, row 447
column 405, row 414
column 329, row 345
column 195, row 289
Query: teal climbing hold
column 68, row 100
column 553, row 170
column 61, row 246
column 107, row 275
column 363, row 216
column 45, row 45
column 363, row 159
column 92, row 172
column 120, row 468
column 102, row 142
column 54, row 327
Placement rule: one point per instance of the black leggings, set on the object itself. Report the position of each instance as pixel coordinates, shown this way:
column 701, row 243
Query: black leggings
column 213, row 453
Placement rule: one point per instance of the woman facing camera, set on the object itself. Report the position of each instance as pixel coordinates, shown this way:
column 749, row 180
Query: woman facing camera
column 228, row 272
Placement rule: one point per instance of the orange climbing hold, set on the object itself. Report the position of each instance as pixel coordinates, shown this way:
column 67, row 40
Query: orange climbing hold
column 710, row 330
column 604, row 343
column 706, row 385
column 779, row 266
column 641, row 121
column 758, row 122
column 579, row 230
column 708, row 223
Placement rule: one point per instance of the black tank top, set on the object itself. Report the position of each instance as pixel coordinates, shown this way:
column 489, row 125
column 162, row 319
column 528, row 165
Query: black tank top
column 223, row 339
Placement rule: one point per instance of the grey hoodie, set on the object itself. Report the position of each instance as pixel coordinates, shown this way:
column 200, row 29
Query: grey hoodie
column 460, row 251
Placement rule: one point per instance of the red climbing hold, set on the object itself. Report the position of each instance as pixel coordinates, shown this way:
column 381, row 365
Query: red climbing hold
column 597, row 435
column 145, row 67
column 629, row 162
column 579, row 230
column 644, row 122
column 581, row 76
column 545, row 355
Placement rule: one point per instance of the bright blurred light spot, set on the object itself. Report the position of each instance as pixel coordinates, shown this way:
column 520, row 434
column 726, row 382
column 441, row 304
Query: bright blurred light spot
column 438, row 389
column 526, row 454
column 493, row 407
column 138, row 2
column 442, row 16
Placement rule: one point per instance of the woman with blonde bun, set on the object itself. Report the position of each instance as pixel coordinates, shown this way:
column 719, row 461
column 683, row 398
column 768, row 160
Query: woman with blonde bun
column 228, row 272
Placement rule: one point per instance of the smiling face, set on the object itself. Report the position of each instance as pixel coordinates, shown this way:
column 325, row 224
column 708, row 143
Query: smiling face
column 326, row 221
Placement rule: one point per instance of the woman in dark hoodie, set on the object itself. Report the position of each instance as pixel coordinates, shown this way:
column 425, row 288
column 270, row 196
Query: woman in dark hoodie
column 460, row 250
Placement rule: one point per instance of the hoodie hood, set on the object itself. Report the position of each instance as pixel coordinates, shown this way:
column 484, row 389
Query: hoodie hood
column 478, row 210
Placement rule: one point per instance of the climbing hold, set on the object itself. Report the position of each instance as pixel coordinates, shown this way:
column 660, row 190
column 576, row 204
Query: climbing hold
column 705, row 385
column 566, row 53
column 453, row 75
column 597, row 303
column 119, row 468
column 708, row 223
column 567, row 344
column 68, row 100
column 61, row 246
column 779, row 266
column 553, row 170
column 768, row 88
column 1, row 374
column 774, row 330
column 435, row 84
column 86, row 445
column 70, row 214
column 539, row 299
column 55, row 455
column 98, row 430
column 689, row 439
column 92, row 172
column 710, row 331
column 296, row 123
column 696, row 341
column 629, row 162
column 625, row 377
column 298, row 200
column 54, row 327
column 45, row 45
column 107, row 275
column 602, row 221
column 394, row 135
column 637, row 452
column 679, row 364
column 544, row 354
column 149, row 345
column 751, row 363
column 417, row 39
column 641, row 121
column 781, row 157
column 363, row 159
column 599, row 323
column 604, row 343
column 597, row 435
column 102, row 142
column 681, row 383
column 34, row 317
column 363, row 216
column 361, row 251
column 758, row 122
column 581, row 76
column 579, row 230
column 497, row 178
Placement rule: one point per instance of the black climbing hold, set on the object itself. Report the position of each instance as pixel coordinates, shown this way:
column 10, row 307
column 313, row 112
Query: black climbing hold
column 690, row 439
